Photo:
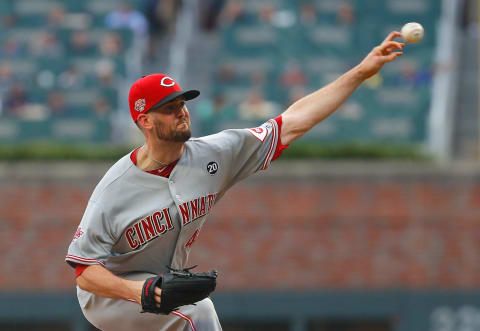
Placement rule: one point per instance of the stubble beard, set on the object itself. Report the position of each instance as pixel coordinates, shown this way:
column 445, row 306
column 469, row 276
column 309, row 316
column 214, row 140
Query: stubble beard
column 179, row 136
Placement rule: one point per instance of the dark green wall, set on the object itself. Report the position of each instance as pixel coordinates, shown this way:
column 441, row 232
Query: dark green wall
column 404, row 310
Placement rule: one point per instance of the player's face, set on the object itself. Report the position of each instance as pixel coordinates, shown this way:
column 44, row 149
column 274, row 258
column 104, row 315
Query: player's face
column 172, row 121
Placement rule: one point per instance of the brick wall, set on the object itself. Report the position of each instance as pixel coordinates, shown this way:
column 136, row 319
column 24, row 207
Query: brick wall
column 295, row 226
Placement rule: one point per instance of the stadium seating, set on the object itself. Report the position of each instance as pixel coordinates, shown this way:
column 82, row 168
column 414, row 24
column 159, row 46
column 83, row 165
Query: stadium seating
column 392, row 106
column 281, row 48
column 70, row 91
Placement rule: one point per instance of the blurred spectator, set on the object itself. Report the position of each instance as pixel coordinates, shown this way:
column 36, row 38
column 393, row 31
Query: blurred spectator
column 102, row 107
column 152, row 12
column 72, row 78
column 45, row 79
column 6, row 80
column 294, row 95
column 56, row 103
column 111, row 45
column 233, row 13
column 56, row 16
column 266, row 13
column 9, row 21
column 308, row 14
column 210, row 111
column 351, row 110
column 375, row 82
column 12, row 48
column 6, row 76
column 161, row 15
column 126, row 17
column 412, row 76
column 46, row 45
column 255, row 107
column 346, row 13
column 215, row 108
column 293, row 75
column 80, row 43
column 15, row 100
column 226, row 73
column 258, row 78
column 104, row 71
column 269, row 15
column 210, row 12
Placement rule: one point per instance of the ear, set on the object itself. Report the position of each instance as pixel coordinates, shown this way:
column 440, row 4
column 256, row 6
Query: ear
column 145, row 121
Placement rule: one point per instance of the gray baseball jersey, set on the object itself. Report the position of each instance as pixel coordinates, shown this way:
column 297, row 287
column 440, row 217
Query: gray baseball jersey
column 136, row 222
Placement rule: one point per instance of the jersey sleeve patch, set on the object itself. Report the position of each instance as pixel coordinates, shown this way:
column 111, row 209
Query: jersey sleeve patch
column 78, row 233
column 261, row 132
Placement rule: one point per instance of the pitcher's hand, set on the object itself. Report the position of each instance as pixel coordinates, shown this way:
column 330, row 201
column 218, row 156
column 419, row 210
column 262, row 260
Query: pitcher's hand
column 386, row 52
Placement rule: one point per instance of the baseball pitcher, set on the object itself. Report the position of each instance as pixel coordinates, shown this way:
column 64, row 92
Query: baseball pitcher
column 130, row 251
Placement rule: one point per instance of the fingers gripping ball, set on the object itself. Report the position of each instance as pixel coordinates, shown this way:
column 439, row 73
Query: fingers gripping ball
column 412, row 32
column 179, row 288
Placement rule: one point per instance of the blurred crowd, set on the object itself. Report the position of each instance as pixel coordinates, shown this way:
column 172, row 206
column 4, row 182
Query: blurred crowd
column 41, row 56
column 271, row 90
column 64, row 62
column 51, row 59
column 292, row 80
column 47, row 71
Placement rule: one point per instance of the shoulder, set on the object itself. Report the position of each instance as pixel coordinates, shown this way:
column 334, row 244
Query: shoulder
column 232, row 138
column 112, row 177
column 229, row 135
column 210, row 140
column 217, row 142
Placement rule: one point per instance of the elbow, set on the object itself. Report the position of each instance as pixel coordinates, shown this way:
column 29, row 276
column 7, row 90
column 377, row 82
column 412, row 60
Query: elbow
column 291, row 136
column 80, row 271
column 295, row 125
column 81, row 282
column 292, row 133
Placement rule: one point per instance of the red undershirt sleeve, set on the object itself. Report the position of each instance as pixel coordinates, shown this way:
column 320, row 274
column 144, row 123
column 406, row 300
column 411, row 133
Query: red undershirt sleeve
column 280, row 146
column 79, row 268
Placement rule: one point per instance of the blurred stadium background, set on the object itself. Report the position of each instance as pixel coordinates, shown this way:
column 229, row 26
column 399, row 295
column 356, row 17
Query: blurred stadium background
column 369, row 222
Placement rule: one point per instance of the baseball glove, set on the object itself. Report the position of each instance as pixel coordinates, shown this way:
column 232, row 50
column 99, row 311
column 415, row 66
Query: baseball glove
column 179, row 288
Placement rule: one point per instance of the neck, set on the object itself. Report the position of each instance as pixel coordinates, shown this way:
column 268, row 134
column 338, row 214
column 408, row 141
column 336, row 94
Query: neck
column 156, row 154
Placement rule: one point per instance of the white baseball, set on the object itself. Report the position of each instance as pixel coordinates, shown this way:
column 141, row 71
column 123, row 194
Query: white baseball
column 412, row 32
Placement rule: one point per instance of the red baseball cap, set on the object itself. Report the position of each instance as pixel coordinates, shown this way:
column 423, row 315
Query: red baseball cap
column 155, row 90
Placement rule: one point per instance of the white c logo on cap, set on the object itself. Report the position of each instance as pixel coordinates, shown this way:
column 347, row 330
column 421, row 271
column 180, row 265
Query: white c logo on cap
column 162, row 82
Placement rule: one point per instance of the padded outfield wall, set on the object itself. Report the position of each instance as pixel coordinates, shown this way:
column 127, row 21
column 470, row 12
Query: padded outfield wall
column 308, row 246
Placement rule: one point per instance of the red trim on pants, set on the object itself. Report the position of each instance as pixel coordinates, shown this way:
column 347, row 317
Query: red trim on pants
column 188, row 318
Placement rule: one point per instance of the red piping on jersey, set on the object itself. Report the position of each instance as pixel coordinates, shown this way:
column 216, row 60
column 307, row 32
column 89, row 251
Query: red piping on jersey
column 280, row 146
column 189, row 319
column 270, row 148
column 162, row 171
column 83, row 260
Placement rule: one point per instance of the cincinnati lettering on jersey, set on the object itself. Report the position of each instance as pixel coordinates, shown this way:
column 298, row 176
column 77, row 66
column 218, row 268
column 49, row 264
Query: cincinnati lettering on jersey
column 149, row 228
column 196, row 208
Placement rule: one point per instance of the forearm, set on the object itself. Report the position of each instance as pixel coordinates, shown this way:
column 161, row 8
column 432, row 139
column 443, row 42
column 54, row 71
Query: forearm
column 98, row 280
column 315, row 107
